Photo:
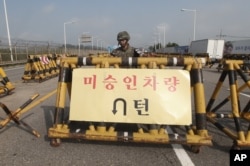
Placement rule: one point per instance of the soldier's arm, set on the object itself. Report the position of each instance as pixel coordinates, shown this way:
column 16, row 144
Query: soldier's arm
column 137, row 52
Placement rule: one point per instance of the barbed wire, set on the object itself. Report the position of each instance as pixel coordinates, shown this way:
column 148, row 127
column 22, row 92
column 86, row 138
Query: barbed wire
column 22, row 42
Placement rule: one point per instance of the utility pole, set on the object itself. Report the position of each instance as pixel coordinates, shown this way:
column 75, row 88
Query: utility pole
column 195, row 11
column 221, row 36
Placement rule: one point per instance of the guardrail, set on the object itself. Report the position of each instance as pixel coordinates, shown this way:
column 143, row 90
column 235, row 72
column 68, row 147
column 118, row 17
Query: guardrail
column 12, row 63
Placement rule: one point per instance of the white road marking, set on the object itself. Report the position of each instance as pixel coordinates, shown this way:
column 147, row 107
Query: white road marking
column 180, row 152
column 243, row 94
column 8, row 69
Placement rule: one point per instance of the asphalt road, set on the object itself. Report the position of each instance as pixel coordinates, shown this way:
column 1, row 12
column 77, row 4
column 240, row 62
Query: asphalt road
column 19, row 147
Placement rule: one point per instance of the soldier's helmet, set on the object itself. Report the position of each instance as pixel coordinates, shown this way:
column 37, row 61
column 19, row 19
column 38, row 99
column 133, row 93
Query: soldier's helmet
column 123, row 36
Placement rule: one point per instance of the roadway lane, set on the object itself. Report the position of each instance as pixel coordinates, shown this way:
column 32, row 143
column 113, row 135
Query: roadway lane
column 19, row 147
column 14, row 73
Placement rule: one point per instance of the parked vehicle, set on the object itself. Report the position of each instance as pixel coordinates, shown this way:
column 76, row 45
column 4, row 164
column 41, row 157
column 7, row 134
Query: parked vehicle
column 213, row 47
column 237, row 47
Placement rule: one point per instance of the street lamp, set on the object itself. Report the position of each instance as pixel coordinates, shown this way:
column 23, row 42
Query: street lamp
column 192, row 10
column 159, row 39
column 163, row 26
column 97, row 43
column 8, row 31
column 102, row 43
column 92, row 41
column 70, row 22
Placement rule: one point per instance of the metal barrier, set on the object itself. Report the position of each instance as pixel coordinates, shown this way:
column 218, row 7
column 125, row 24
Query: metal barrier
column 40, row 67
column 244, row 57
column 155, row 133
column 204, row 58
column 239, row 135
column 7, row 85
column 15, row 115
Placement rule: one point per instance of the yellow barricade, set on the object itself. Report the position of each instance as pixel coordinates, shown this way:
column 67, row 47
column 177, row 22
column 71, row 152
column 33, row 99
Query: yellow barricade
column 16, row 114
column 244, row 57
column 41, row 67
column 7, row 86
column 239, row 113
column 134, row 103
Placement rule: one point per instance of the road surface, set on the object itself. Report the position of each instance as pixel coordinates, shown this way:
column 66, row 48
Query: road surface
column 19, row 147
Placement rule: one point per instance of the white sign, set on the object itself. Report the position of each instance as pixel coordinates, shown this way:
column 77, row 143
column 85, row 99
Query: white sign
column 86, row 39
column 149, row 96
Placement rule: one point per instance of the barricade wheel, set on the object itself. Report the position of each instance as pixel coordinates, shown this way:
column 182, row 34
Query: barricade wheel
column 6, row 91
column 235, row 146
column 55, row 142
column 195, row 148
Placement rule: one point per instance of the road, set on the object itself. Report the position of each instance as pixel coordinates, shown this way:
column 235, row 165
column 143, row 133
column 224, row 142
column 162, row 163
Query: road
column 19, row 147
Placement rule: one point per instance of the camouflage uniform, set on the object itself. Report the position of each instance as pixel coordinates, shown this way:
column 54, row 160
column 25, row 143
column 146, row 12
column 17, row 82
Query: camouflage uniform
column 129, row 51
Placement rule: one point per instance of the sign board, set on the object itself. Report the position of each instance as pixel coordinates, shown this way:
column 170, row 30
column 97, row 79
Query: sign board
column 86, row 39
column 148, row 96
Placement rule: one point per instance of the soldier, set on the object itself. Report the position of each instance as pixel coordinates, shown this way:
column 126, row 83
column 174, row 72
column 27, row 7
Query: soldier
column 124, row 49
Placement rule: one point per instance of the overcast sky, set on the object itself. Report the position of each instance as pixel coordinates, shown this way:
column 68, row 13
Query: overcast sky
column 43, row 20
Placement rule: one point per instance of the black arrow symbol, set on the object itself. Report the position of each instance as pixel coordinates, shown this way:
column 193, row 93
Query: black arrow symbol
column 124, row 106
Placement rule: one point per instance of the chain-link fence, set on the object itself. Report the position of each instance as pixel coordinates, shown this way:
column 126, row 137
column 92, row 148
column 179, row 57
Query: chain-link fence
column 21, row 49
